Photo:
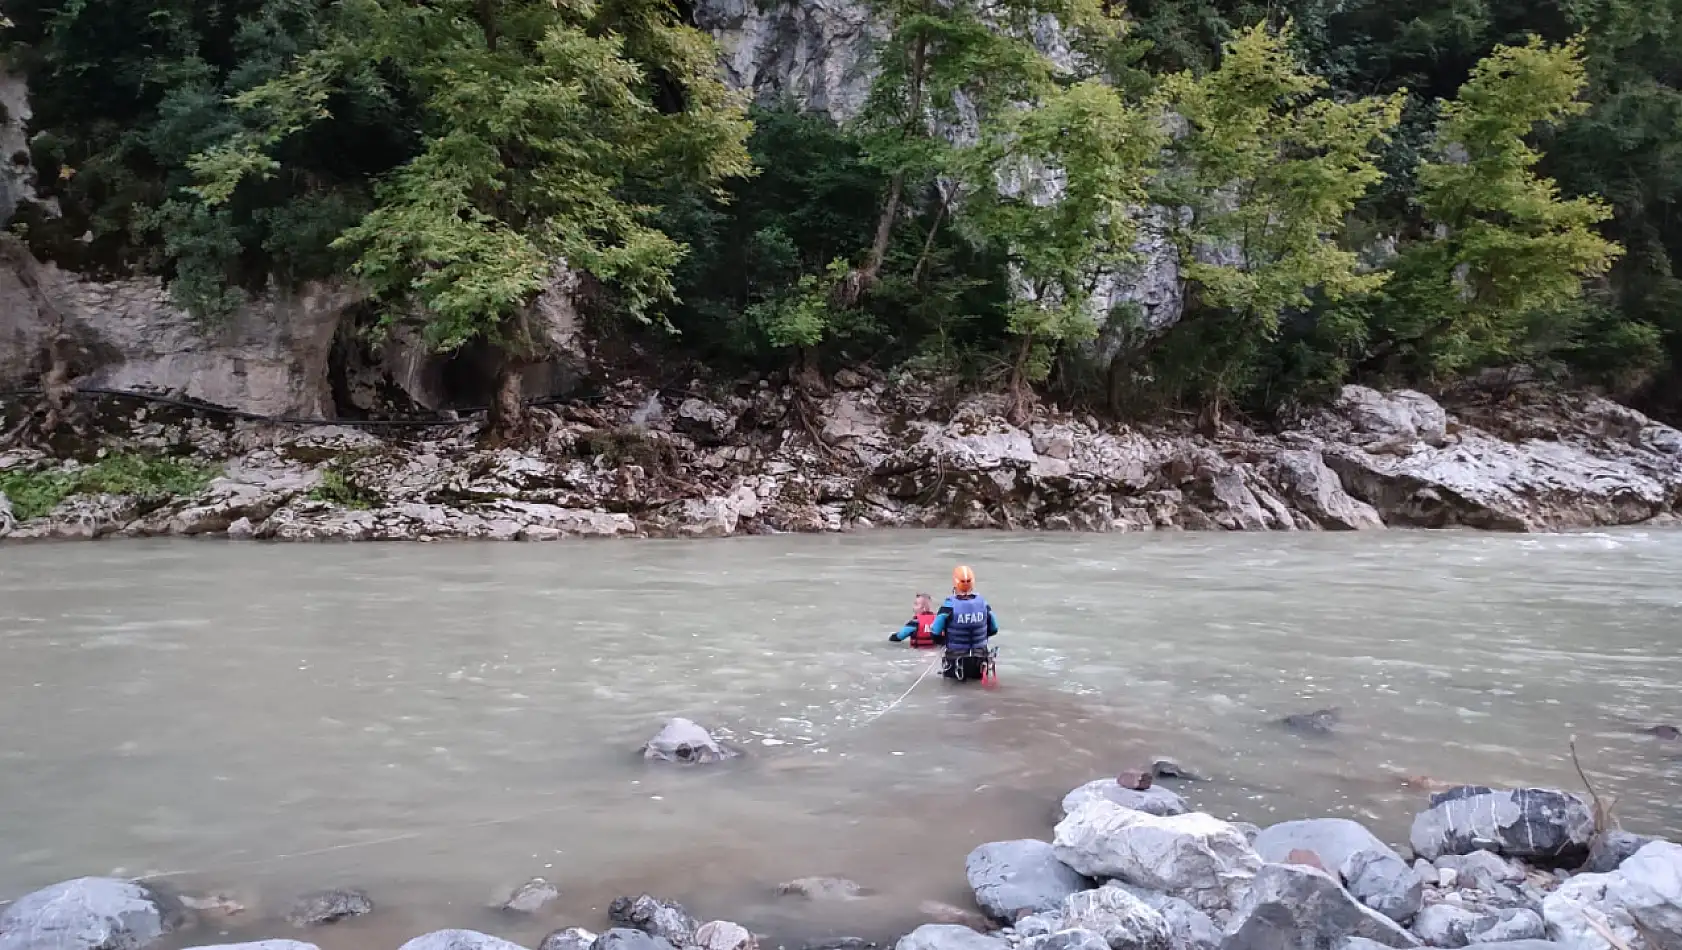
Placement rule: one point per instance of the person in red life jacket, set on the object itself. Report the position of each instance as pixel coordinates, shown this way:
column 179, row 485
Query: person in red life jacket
column 920, row 628
column 967, row 626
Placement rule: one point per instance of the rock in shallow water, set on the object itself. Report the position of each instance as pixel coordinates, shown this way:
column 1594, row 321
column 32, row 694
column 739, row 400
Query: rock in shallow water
column 822, row 888
column 89, row 913
column 723, row 935
column 1012, row 878
column 681, row 740
column 530, row 897
column 1373, row 872
column 1155, row 800
column 570, row 938
column 459, row 940
column 327, row 907
column 664, row 919
column 1543, row 826
column 1293, row 906
column 625, row 938
column 1195, row 857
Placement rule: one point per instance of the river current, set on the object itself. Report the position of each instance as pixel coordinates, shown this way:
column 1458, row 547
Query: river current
column 437, row 723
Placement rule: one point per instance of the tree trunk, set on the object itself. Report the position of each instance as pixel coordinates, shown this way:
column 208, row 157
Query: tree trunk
column 508, row 420
column 860, row 280
column 1020, row 393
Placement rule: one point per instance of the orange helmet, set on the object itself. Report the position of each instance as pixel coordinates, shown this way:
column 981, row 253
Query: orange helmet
column 963, row 579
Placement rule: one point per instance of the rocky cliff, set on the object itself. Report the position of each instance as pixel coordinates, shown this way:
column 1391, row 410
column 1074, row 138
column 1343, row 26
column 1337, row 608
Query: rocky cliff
column 757, row 460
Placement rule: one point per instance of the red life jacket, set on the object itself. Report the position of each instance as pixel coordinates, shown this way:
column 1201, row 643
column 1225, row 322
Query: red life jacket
column 924, row 637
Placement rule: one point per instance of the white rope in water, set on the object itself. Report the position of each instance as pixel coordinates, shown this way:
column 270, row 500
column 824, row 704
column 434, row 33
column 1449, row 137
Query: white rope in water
column 889, row 707
column 411, row 835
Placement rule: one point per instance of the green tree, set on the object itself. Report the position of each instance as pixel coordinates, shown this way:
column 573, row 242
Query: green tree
column 1269, row 172
column 1504, row 245
column 536, row 117
column 951, row 65
column 1056, row 188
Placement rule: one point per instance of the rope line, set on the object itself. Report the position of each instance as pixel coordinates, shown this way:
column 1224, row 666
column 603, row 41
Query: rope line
column 442, row 829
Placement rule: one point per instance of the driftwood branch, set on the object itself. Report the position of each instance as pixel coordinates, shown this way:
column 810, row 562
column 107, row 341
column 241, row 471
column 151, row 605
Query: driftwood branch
column 1604, row 820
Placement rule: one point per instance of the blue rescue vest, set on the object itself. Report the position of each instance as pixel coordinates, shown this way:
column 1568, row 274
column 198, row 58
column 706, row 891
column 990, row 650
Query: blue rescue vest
column 967, row 628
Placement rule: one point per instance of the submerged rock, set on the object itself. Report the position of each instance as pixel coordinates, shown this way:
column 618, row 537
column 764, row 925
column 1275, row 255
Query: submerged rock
column 569, row 938
column 261, row 945
column 664, row 919
column 1373, row 872
column 1293, row 906
column 1154, row 800
column 459, row 940
column 682, row 740
column 89, row 913
column 1013, row 878
column 530, row 897
column 328, row 907
column 1196, row 857
column 957, row 916
column 1543, row 826
column 822, row 888
column 1317, row 723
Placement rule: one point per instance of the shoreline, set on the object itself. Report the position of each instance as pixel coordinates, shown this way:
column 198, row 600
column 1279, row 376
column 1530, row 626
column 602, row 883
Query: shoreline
column 1128, row 864
column 881, row 455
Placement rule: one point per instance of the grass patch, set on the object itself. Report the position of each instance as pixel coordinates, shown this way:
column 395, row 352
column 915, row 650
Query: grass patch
column 149, row 478
column 340, row 487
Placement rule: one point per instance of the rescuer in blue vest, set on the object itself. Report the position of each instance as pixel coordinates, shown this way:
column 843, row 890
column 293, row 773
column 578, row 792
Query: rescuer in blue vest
column 967, row 625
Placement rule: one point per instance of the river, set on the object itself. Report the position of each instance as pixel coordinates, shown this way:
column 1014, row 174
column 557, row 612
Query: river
column 436, row 723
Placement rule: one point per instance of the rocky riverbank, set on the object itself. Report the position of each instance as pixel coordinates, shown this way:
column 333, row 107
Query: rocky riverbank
column 758, row 459
column 1130, row 866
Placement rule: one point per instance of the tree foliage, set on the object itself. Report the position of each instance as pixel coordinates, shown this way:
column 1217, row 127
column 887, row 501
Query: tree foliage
column 1504, row 246
column 1388, row 192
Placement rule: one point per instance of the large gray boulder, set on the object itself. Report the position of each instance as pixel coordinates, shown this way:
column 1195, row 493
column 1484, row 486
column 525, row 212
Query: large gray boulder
column 1611, row 849
column 1124, row 921
column 1195, row 857
column 1454, row 925
column 1373, row 872
column 1013, row 878
column 89, row 913
column 1481, row 871
column 1539, row 825
column 1155, row 800
column 1446, row 925
column 664, row 919
column 681, row 740
column 1066, row 940
column 948, row 937
column 459, row 940
column 1290, row 906
column 1652, row 892
column 1192, row 928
